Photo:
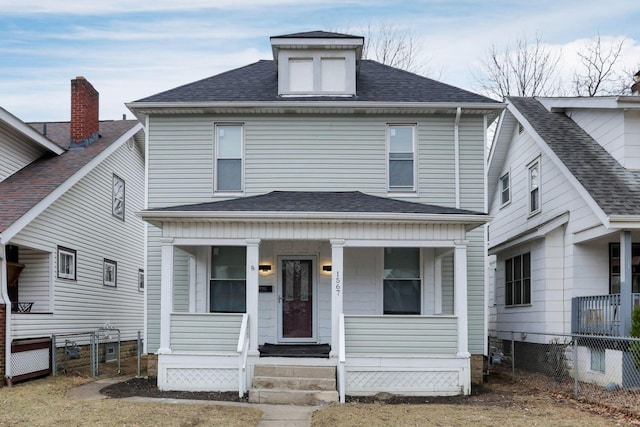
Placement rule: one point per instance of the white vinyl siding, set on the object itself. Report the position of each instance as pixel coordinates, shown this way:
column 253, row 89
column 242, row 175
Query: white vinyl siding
column 81, row 219
column 35, row 279
column 16, row 152
column 181, row 281
column 204, row 332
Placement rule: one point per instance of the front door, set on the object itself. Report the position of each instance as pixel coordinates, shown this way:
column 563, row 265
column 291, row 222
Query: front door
column 296, row 300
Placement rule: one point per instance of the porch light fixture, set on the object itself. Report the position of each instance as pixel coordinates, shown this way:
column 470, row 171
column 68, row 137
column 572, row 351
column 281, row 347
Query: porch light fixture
column 264, row 267
column 326, row 268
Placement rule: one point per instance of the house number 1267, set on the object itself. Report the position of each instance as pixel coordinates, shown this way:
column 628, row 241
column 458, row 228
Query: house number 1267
column 338, row 283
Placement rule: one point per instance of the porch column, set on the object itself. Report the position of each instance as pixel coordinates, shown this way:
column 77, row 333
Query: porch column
column 253, row 253
column 460, row 291
column 166, row 296
column 626, row 277
column 337, row 287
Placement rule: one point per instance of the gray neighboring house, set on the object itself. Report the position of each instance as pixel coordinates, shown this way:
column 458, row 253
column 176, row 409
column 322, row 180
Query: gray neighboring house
column 565, row 200
column 71, row 248
column 316, row 210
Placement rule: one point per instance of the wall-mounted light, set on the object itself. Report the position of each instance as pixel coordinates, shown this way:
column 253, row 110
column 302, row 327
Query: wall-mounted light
column 326, row 268
column 264, row 267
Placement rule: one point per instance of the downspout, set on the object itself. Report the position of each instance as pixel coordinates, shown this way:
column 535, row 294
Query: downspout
column 7, row 302
column 456, row 149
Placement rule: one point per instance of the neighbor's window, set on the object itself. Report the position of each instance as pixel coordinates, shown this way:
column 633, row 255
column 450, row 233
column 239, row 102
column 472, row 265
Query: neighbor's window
column 614, row 268
column 505, row 189
column 597, row 360
column 228, row 150
column 518, row 280
column 227, row 287
column 534, row 187
column 402, row 282
column 117, row 197
column 66, row 263
column 401, row 169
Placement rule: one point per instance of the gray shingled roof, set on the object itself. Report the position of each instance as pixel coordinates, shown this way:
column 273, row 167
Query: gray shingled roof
column 317, row 35
column 615, row 189
column 310, row 201
column 258, row 82
column 24, row 189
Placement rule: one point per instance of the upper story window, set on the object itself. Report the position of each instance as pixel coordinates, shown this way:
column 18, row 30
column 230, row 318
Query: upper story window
column 117, row 197
column 518, row 280
column 229, row 149
column 505, row 189
column 534, row 187
column 66, row 263
column 401, row 171
column 402, row 283
column 316, row 73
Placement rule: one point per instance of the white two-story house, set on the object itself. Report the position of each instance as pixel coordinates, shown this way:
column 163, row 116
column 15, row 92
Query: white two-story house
column 564, row 194
column 316, row 209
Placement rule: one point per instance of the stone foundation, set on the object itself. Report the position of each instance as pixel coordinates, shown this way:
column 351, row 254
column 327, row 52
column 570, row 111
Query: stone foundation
column 152, row 365
column 477, row 368
column 128, row 350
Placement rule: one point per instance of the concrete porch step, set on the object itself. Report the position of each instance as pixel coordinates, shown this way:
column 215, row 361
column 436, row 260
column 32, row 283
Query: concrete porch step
column 292, row 397
column 293, row 385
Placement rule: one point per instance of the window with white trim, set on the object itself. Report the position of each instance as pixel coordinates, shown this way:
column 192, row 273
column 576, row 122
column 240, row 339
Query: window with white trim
column 229, row 149
column 505, row 189
column 402, row 282
column 228, row 284
column 534, row 187
column 66, row 263
column 401, row 171
column 518, row 280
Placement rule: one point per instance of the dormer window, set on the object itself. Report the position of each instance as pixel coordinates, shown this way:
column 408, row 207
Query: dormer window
column 317, row 63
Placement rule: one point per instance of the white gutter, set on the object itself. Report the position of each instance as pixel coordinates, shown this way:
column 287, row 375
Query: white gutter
column 456, row 151
column 257, row 216
column 5, row 299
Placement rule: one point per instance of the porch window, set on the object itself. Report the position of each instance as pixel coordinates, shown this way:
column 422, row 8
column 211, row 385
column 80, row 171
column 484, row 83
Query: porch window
column 518, row 280
column 228, row 285
column 228, row 151
column 402, row 282
column 401, row 169
column 614, row 268
column 66, row 263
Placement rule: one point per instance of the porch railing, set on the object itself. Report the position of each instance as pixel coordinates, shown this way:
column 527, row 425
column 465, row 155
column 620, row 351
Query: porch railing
column 205, row 332
column 401, row 335
column 243, row 351
column 598, row 314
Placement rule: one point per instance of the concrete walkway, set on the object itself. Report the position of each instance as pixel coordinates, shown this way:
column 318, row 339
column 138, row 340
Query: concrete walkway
column 272, row 415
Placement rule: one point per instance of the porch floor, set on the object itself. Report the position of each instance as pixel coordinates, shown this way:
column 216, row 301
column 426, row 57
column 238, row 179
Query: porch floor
column 295, row 350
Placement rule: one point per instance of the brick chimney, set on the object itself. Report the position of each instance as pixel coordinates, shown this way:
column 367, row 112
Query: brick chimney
column 84, row 113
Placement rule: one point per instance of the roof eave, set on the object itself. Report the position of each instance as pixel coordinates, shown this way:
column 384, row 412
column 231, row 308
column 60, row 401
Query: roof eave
column 29, row 132
column 624, row 221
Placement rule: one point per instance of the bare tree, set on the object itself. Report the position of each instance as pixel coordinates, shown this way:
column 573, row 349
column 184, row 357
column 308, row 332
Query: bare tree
column 598, row 76
column 526, row 69
column 393, row 46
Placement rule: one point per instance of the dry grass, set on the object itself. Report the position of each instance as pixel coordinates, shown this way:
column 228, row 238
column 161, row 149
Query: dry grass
column 43, row 403
column 501, row 404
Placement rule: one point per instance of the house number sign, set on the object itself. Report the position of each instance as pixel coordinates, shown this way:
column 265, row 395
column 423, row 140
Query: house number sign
column 338, row 283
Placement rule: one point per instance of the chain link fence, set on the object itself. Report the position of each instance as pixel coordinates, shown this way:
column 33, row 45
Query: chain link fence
column 598, row 369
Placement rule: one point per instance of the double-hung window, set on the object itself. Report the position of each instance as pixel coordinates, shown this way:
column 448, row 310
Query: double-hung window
column 505, row 189
column 534, row 187
column 401, row 148
column 518, row 280
column 402, row 283
column 66, row 263
column 228, row 284
column 229, row 148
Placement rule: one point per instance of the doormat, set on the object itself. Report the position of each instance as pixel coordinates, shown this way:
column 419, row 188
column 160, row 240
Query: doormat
column 295, row 350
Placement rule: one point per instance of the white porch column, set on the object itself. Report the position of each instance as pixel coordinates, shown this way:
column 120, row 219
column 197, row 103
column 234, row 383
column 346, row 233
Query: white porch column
column 337, row 291
column 166, row 296
column 625, row 282
column 253, row 254
column 460, row 291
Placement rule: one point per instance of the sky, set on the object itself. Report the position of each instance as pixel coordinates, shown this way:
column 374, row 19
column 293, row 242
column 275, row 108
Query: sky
column 130, row 50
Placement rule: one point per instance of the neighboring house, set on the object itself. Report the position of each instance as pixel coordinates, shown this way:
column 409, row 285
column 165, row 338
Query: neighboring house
column 564, row 194
column 71, row 248
column 316, row 204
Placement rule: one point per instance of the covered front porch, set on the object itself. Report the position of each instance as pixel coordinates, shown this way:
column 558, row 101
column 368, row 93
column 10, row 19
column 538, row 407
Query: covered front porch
column 388, row 295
